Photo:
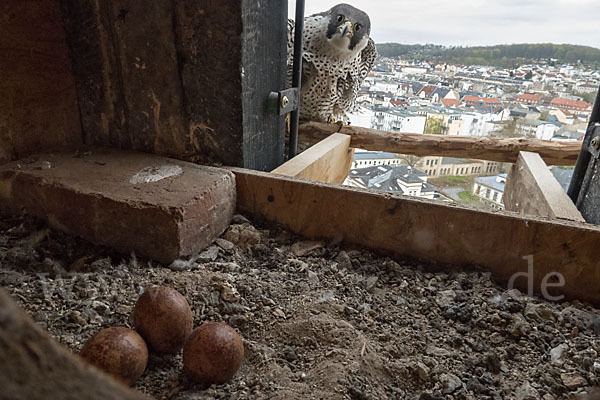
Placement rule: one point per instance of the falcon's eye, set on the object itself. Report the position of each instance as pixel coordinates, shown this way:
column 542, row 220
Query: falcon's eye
column 357, row 27
column 340, row 18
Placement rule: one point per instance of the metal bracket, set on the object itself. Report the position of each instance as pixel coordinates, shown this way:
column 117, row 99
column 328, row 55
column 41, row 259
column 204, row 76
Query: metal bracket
column 594, row 147
column 285, row 101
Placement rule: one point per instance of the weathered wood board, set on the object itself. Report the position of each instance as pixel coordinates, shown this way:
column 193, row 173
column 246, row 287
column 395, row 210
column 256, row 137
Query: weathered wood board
column 431, row 231
column 532, row 189
column 483, row 148
column 327, row 161
column 34, row 366
column 184, row 78
column 38, row 101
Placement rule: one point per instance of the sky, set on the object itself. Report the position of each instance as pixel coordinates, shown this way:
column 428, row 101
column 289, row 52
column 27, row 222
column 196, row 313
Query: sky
column 476, row 22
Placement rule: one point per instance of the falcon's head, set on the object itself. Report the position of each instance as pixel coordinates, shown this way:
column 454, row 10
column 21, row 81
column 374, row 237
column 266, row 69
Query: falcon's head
column 348, row 28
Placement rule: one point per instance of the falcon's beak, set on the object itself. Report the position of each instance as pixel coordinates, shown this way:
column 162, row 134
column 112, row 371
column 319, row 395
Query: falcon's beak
column 346, row 29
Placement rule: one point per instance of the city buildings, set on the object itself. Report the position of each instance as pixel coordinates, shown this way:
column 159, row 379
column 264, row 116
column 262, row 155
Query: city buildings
column 409, row 96
column 490, row 190
column 400, row 178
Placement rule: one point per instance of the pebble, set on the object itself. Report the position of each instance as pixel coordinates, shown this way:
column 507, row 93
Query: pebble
column 437, row 351
column 229, row 294
column 209, row 254
column 445, row 297
column 492, row 363
column 300, row 249
column 422, row 371
column 313, row 278
column 370, row 283
column 527, row 392
column 290, row 354
column 344, row 260
column 573, row 380
column 224, row 244
column 558, row 354
column 179, row 265
column 539, row 312
column 243, row 236
column 76, row 317
column 450, row 383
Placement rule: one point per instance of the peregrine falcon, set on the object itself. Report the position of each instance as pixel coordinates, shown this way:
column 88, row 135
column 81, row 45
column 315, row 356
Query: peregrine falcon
column 338, row 55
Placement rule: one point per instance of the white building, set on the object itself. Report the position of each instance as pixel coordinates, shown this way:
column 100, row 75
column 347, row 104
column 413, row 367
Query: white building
column 546, row 130
column 479, row 123
column 387, row 87
column 398, row 120
column 490, row 190
column 362, row 117
column 414, row 70
column 401, row 178
column 365, row 159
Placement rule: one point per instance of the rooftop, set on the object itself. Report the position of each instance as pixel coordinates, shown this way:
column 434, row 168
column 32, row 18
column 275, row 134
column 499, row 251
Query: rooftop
column 385, row 177
column 374, row 155
column 495, row 182
column 453, row 161
column 563, row 176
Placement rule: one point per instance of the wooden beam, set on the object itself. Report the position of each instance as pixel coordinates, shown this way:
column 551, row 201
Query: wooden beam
column 430, row 230
column 327, row 161
column 38, row 100
column 128, row 80
column 532, row 189
column 34, row 366
column 184, row 78
column 483, row 148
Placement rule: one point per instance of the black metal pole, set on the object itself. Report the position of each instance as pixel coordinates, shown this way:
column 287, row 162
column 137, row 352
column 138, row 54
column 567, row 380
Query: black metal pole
column 584, row 157
column 296, row 76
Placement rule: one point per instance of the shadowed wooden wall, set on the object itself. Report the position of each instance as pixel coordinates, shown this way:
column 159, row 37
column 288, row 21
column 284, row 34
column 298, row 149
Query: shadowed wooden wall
column 38, row 101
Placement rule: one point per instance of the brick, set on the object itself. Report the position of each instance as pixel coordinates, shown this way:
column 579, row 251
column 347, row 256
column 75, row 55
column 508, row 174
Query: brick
column 115, row 198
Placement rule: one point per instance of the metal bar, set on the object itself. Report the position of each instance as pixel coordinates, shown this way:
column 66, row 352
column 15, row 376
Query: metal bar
column 296, row 76
column 584, row 155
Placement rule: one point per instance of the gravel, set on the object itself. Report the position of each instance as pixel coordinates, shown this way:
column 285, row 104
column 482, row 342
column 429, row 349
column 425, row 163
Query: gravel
column 319, row 320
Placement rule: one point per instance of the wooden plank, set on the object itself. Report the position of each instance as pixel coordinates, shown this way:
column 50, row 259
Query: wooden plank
column 263, row 57
column 327, row 161
column 144, row 41
column 209, row 49
column 38, row 101
column 483, row 148
column 104, row 112
column 232, row 55
column 129, row 85
column 34, row 366
column 532, row 189
column 430, row 230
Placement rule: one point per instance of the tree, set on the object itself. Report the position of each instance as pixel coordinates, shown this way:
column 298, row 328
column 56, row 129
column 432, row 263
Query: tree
column 528, row 75
column 589, row 97
column 434, row 126
column 508, row 129
column 410, row 159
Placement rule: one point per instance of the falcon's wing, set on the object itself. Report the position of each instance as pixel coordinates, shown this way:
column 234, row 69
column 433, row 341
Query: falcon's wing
column 357, row 74
column 367, row 56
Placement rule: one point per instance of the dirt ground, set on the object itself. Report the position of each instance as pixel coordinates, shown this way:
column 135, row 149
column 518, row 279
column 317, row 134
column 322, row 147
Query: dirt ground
column 319, row 320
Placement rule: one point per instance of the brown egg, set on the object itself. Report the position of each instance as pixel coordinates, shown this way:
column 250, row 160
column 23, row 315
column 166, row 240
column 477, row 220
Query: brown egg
column 164, row 319
column 213, row 353
column 118, row 351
